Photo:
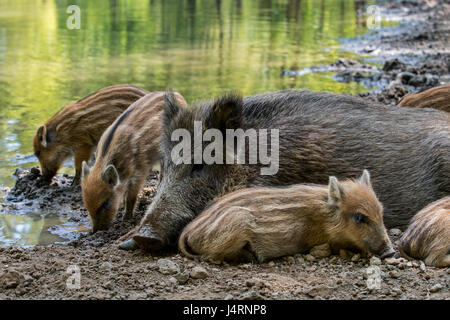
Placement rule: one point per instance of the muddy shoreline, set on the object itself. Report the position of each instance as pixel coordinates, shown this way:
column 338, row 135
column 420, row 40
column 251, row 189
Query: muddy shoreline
column 411, row 57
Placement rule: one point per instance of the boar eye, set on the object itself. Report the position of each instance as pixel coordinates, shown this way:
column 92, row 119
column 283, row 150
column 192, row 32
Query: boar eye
column 359, row 218
column 105, row 205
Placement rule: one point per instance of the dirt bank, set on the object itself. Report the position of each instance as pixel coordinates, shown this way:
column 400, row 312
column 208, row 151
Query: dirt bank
column 408, row 62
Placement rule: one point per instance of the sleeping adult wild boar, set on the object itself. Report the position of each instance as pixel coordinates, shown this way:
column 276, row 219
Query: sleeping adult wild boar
column 406, row 150
column 76, row 128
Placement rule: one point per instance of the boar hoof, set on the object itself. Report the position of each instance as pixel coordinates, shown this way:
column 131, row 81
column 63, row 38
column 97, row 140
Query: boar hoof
column 128, row 245
column 147, row 240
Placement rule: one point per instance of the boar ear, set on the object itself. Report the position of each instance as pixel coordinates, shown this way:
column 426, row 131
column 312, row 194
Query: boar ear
column 171, row 107
column 84, row 170
column 225, row 113
column 335, row 191
column 42, row 135
column 365, row 179
column 111, row 176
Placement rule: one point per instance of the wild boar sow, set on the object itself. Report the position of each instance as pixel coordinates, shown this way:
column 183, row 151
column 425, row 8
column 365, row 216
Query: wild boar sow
column 428, row 235
column 436, row 98
column 264, row 223
column 125, row 154
column 77, row 128
column 407, row 151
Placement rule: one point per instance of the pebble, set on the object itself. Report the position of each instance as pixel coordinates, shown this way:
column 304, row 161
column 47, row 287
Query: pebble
column 254, row 282
column 392, row 261
column 356, row 257
column 437, row 287
column 290, row 260
column 251, row 295
column 375, row 261
column 166, row 266
column 271, row 264
column 199, row 273
column 394, row 274
column 319, row 291
column 106, row 266
column 422, row 266
column 182, row 278
column 321, row 251
column 310, row 258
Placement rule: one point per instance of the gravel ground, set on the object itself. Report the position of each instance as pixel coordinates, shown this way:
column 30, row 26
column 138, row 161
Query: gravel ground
column 411, row 62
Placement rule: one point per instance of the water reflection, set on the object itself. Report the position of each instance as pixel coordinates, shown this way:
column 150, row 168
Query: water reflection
column 34, row 229
column 200, row 48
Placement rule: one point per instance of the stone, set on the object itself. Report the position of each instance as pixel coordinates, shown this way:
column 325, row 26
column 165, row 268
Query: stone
column 435, row 288
column 356, row 257
column 10, row 279
column 394, row 274
column 375, row 261
column 254, row 282
column 310, row 258
column 321, row 251
column 106, row 266
column 251, row 295
column 319, row 291
column 392, row 261
column 395, row 232
column 290, row 260
column 182, row 278
column 166, row 266
column 199, row 273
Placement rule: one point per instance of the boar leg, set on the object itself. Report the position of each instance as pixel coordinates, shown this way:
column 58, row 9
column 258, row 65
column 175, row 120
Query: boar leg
column 82, row 153
column 134, row 187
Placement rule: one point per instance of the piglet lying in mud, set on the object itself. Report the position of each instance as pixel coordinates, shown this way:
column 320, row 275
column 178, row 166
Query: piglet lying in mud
column 428, row 235
column 126, row 152
column 77, row 128
column 436, row 98
column 264, row 223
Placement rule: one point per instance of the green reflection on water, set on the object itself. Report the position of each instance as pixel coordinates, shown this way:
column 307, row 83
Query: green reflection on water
column 27, row 230
column 200, row 48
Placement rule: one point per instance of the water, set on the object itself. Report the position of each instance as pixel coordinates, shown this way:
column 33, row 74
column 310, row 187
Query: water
column 36, row 229
column 200, row 48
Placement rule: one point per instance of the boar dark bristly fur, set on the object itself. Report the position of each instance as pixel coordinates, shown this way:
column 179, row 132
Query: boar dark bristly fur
column 263, row 223
column 407, row 151
column 436, row 98
column 428, row 235
column 77, row 128
column 126, row 152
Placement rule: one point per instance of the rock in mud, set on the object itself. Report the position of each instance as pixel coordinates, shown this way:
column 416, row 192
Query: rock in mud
column 199, row 273
column 321, row 291
column 375, row 261
column 321, row 251
column 166, row 266
column 10, row 279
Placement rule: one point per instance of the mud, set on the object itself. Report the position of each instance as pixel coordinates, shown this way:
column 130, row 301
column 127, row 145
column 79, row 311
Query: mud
column 409, row 58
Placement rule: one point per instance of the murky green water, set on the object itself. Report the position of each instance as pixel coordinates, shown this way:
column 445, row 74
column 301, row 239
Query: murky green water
column 200, row 48
column 35, row 229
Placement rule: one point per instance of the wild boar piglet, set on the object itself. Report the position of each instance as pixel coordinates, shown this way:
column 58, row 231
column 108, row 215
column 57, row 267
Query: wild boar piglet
column 264, row 223
column 126, row 152
column 428, row 235
column 77, row 128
